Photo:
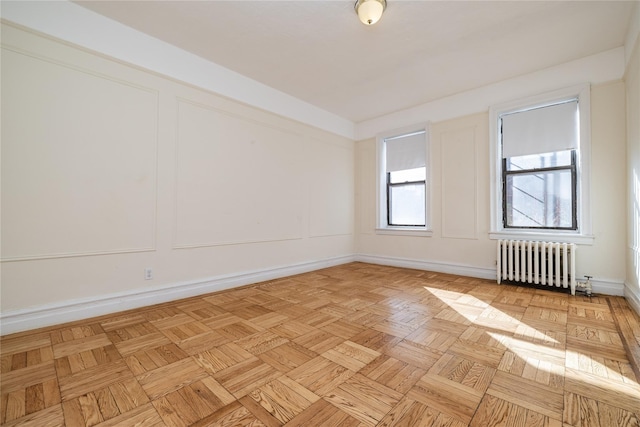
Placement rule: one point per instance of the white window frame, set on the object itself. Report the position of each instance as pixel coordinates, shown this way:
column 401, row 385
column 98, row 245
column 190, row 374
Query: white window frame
column 382, row 226
column 583, row 235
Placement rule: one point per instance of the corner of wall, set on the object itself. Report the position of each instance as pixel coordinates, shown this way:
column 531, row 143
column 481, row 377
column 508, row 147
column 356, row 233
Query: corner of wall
column 633, row 33
column 632, row 297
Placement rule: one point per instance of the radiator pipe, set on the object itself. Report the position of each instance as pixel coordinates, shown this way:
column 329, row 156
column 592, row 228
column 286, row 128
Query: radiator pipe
column 586, row 286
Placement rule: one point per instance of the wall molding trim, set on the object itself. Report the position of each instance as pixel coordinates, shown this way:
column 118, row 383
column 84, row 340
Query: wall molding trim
column 602, row 67
column 69, row 311
column 70, row 22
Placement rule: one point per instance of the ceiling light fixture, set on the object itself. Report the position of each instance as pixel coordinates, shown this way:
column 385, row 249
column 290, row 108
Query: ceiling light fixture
column 370, row 11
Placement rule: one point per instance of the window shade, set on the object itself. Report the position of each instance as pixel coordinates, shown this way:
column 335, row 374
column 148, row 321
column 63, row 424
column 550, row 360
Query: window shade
column 541, row 130
column 406, row 152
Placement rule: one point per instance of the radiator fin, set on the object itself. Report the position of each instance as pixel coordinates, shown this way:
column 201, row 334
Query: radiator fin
column 537, row 263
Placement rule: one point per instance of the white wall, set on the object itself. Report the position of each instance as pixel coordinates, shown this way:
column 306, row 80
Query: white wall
column 632, row 80
column 108, row 169
column 460, row 199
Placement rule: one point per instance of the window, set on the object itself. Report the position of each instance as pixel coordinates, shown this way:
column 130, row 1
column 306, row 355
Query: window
column 406, row 191
column 403, row 184
column 541, row 147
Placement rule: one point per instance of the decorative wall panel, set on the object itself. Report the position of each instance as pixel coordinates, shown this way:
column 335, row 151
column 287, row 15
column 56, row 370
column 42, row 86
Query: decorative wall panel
column 330, row 189
column 79, row 156
column 459, row 184
column 237, row 180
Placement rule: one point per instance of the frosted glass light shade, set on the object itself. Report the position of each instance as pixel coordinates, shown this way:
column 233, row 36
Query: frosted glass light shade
column 370, row 11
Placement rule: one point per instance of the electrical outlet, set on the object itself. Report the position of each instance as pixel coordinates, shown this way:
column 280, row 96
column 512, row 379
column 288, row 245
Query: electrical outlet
column 148, row 273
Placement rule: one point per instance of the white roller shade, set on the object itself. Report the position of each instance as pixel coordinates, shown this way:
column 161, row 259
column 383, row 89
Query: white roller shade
column 541, row 130
column 406, row 152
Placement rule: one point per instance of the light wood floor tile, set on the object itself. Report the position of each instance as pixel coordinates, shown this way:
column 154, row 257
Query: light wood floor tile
column 446, row 396
column 259, row 343
column 81, row 344
column 364, row 399
column 168, row 378
column 414, row 354
column 26, row 377
column 195, row 401
column 322, row 413
column 231, row 415
column 223, row 320
column 318, row 340
column 222, row 357
column 580, row 411
column 142, row 416
column 148, row 360
column 611, row 392
column 259, row 412
column 408, row 413
column 50, row 417
column 436, row 340
column 93, row 378
column 376, row 340
column 320, row 375
column 238, row 330
column 269, row 320
column 528, row 394
column 343, row 329
column 292, row 329
column 628, row 323
column 351, row 355
column 287, row 356
column 352, row 345
column 393, row 373
column 494, row 411
column 283, row 398
column 142, row 342
column 246, row 376
column 23, row 344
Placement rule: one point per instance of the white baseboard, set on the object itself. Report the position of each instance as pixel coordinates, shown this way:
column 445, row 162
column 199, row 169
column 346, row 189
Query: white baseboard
column 633, row 298
column 606, row 287
column 439, row 267
column 69, row 311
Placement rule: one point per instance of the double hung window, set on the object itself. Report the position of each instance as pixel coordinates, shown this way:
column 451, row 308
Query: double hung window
column 403, row 185
column 541, row 147
column 539, row 150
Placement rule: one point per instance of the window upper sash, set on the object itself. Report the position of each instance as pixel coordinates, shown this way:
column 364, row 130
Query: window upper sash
column 541, row 130
column 406, row 151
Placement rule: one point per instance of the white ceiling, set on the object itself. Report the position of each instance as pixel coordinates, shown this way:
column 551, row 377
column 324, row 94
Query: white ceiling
column 420, row 51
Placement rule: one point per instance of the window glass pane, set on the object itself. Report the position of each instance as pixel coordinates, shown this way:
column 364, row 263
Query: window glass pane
column 407, row 204
column 536, row 161
column 539, row 200
column 408, row 175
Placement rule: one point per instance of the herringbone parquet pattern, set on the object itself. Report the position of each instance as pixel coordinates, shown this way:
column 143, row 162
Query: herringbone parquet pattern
column 354, row 345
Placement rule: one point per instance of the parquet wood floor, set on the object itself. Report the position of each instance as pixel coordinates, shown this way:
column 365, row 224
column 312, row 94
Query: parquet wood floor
column 354, row 345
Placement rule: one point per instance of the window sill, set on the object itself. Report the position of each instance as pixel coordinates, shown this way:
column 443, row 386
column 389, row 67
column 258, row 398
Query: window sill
column 578, row 239
column 405, row 231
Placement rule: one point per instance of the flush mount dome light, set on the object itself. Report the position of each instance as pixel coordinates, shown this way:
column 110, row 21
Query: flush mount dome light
column 370, row 11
